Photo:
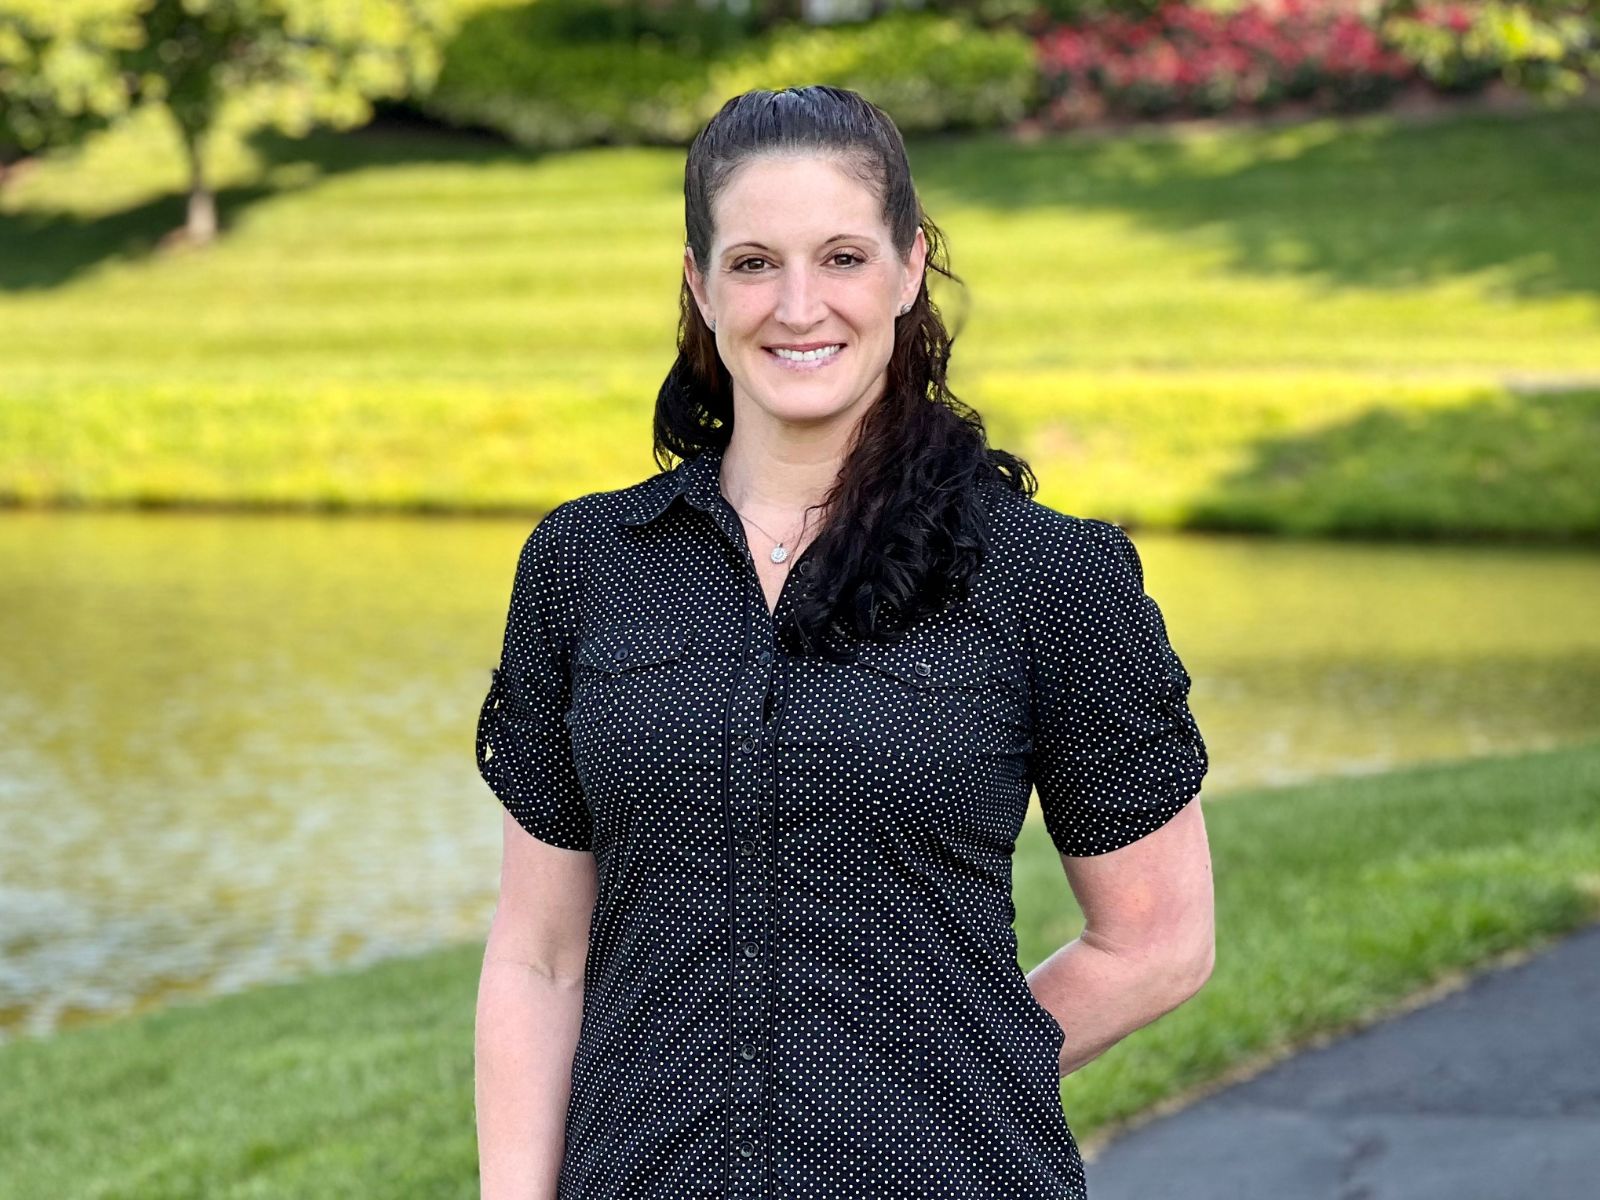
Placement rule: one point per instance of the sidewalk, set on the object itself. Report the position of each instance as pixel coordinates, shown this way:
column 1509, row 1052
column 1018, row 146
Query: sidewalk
column 1490, row 1093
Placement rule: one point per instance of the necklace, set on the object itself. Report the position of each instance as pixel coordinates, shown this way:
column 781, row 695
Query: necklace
column 779, row 551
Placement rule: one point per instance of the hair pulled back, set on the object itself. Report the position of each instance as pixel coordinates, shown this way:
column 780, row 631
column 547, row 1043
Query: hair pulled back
column 906, row 529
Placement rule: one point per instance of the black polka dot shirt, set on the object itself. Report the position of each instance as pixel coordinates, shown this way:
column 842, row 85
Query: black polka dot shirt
column 802, row 978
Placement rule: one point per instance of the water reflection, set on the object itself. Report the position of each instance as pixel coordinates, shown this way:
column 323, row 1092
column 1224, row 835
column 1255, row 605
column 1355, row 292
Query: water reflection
column 238, row 748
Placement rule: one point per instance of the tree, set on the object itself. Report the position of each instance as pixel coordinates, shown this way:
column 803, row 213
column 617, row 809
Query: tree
column 58, row 71
column 287, row 64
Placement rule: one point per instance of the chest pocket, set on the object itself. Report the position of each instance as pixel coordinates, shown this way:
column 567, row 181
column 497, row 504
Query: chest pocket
column 610, row 663
column 931, row 698
column 934, row 704
column 638, row 720
column 925, row 741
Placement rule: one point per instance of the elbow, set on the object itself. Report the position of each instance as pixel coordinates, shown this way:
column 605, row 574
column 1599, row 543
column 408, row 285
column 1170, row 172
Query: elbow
column 1179, row 970
column 1192, row 969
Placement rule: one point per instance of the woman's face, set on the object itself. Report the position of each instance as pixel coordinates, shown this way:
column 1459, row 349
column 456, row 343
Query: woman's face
column 801, row 258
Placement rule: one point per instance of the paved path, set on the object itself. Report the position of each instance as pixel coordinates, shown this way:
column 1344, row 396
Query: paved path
column 1490, row 1093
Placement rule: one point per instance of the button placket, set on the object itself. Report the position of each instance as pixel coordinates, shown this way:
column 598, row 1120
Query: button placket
column 751, row 782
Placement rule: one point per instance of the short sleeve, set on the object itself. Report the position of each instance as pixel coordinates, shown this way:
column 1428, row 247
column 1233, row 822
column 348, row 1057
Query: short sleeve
column 1116, row 751
column 524, row 752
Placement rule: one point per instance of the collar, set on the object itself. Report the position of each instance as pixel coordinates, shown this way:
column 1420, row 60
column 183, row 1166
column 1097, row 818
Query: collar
column 694, row 479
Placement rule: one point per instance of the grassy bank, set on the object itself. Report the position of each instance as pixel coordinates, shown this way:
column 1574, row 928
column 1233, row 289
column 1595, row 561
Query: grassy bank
column 1334, row 901
column 1340, row 326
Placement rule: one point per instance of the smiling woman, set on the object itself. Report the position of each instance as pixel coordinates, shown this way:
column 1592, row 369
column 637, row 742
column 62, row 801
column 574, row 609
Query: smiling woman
column 763, row 776
column 844, row 291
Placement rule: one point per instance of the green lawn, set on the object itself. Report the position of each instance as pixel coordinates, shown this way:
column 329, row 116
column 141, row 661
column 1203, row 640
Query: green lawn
column 1349, row 325
column 1335, row 900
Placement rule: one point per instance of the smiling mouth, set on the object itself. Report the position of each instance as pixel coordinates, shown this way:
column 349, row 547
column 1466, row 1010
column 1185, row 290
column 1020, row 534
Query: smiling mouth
column 811, row 360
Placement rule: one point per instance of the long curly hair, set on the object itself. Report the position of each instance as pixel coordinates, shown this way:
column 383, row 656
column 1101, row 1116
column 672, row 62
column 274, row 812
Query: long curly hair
column 907, row 528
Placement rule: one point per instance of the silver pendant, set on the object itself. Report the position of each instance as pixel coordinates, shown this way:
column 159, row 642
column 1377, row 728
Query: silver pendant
column 779, row 553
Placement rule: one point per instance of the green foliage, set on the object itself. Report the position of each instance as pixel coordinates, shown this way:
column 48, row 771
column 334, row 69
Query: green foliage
column 1545, row 48
column 58, row 76
column 547, row 75
column 68, row 66
column 294, row 62
column 928, row 73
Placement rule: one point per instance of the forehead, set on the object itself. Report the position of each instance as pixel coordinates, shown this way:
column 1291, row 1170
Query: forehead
column 797, row 199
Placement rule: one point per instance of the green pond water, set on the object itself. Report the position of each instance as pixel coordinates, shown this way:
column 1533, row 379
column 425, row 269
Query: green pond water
column 239, row 748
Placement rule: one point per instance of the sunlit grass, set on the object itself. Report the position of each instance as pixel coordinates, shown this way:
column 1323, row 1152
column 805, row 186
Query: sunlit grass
column 1335, row 901
column 1324, row 327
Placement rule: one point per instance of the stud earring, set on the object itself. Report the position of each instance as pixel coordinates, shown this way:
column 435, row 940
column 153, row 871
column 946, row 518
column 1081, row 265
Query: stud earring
column 713, row 325
column 904, row 309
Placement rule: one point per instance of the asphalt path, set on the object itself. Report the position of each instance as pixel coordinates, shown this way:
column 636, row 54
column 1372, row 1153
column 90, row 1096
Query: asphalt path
column 1491, row 1092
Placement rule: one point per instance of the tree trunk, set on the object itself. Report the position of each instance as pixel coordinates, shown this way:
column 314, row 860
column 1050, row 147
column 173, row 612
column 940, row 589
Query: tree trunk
column 201, row 227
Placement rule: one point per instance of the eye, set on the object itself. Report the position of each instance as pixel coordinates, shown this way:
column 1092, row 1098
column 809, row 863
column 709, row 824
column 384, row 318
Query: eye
column 849, row 257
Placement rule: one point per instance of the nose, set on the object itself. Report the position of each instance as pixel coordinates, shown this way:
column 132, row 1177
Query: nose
column 801, row 303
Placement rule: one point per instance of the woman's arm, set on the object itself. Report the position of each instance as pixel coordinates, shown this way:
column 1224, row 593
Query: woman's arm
column 1148, row 941
column 530, row 1005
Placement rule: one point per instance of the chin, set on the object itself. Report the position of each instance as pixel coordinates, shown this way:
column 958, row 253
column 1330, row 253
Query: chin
column 804, row 411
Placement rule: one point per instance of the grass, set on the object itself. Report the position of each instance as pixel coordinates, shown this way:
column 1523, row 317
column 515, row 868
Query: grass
column 1335, row 901
column 1346, row 326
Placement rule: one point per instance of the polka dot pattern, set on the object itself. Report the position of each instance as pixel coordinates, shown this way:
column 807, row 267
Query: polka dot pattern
column 802, row 979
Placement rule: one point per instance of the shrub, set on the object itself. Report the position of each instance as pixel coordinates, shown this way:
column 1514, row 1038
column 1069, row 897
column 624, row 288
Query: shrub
column 1460, row 47
column 1193, row 60
column 928, row 73
column 554, row 75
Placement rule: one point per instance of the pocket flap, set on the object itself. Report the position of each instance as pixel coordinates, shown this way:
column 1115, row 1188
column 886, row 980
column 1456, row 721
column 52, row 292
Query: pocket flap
column 926, row 667
column 618, row 648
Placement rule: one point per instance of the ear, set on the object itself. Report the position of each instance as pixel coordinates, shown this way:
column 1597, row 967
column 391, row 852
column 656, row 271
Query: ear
column 916, row 265
column 697, row 283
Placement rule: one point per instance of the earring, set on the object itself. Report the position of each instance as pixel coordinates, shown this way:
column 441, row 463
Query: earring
column 713, row 325
column 904, row 309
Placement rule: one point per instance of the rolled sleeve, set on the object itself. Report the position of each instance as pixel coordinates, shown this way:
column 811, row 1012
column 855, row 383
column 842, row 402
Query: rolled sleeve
column 1116, row 750
column 524, row 752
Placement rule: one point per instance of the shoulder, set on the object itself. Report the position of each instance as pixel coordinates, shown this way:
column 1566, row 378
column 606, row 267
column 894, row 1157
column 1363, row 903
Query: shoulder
column 567, row 543
column 587, row 519
column 1058, row 552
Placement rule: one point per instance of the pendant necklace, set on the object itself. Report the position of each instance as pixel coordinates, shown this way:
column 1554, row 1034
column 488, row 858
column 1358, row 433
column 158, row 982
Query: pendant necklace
column 779, row 550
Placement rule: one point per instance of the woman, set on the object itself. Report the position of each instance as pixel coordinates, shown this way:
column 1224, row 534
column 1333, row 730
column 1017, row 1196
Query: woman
column 765, row 726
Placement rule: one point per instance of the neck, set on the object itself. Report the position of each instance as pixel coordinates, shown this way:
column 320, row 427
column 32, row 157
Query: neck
column 776, row 481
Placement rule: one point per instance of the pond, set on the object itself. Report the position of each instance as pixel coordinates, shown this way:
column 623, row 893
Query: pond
column 239, row 748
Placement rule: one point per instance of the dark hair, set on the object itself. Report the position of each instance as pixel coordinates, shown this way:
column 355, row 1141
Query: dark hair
column 906, row 529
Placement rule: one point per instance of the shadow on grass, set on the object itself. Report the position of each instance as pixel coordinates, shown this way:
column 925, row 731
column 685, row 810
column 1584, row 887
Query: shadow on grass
column 1358, row 202
column 46, row 248
column 1512, row 463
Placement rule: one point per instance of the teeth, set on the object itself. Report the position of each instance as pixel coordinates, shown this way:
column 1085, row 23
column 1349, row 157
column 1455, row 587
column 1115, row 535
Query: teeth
column 809, row 355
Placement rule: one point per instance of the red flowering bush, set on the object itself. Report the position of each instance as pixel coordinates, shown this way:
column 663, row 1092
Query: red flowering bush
column 1194, row 61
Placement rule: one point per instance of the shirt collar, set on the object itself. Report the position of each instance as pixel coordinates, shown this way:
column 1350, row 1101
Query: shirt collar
column 695, row 479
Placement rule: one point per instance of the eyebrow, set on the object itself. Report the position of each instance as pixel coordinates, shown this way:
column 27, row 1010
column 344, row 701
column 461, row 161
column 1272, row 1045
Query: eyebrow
column 838, row 237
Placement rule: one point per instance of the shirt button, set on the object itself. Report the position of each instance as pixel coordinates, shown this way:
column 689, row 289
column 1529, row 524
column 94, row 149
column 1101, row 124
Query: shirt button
column 924, row 669
column 621, row 652
column 747, row 847
column 804, row 567
column 747, row 1150
column 764, row 657
column 751, row 949
column 747, row 744
column 747, row 1051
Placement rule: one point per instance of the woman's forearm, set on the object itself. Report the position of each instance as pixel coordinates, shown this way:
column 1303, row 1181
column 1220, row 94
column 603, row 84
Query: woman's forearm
column 1099, row 997
column 526, row 1033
